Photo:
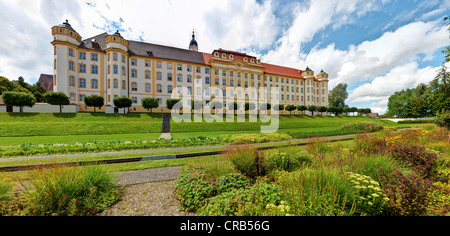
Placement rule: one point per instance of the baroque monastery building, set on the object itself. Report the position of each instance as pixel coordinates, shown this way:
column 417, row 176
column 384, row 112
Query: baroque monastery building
column 111, row 66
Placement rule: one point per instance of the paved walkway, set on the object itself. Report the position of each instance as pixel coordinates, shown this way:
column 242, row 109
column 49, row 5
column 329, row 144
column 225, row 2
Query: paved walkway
column 148, row 176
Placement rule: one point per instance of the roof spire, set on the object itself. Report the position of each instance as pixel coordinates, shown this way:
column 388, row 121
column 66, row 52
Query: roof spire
column 193, row 45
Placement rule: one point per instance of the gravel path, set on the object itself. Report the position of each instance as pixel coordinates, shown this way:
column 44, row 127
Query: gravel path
column 147, row 193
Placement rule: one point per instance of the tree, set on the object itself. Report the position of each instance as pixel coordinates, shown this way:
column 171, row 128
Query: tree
column 19, row 99
column 57, row 98
column 9, row 86
column 290, row 108
column 37, row 89
column 312, row 109
column 338, row 95
column 94, row 101
column 249, row 106
column 265, row 106
column 233, row 106
column 446, row 51
column 150, row 103
column 122, row 102
column 215, row 105
column 331, row 109
column 171, row 102
column 322, row 109
column 279, row 107
column 302, row 108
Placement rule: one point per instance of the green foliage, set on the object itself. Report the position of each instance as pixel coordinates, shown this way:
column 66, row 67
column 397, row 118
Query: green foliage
column 19, row 99
column 443, row 119
column 150, row 103
column 122, row 102
column 317, row 192
column 247, row 160
column 170, row 103
column 370, row 199
column 290, row 108
column 231, row 181
column 58, row 98
column 287, row 159
column 363, row 126
column 94, row 101
column 193, row 188
column 249, row 106
column 338, row 95
column 265, row 106
column 75, row 191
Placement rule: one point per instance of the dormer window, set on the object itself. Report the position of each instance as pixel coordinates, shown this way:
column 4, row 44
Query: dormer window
column 252, row 60
column 245, row 59
column 231, row 56
column 224, row 55
column 216, row 54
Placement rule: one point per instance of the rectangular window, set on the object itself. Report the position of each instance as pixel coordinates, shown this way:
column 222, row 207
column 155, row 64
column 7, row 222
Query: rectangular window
column 133, row 62
column 82, row 97
column 169, row 77
column 134, row 86
column 71, row 52
column 123, row 59
column 169, row 89
column 115, row 69
column 179, row 67
column 148, row 88
column 158, row 76
column 94, row 57
column 158, row 64
column 198, row 70
column 71, row 66
column 147, row 74
column 134, row 100
column 217, row 81
column 72, row 81
column 180, row 78
column 207, row 80
column 123, row 70
column 159, row 88
column 169, row 65
column 82, row 68
column 72, row 96
column 134, row 73
column 94, row 84
column 124, row 84
column 94, row 69
column 189, row 78
column 207, row 70
column 216, row 72
column 147, row 63
column 115, row 56
column 82, row 56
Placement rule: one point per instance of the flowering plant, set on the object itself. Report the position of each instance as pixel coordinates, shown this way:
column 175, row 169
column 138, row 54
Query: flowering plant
column 371, row 197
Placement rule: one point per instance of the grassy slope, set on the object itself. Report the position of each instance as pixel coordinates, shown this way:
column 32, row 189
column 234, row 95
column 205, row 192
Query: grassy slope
column 16, row 129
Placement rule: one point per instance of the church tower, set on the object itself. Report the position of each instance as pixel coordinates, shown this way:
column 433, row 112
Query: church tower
column 193, row 46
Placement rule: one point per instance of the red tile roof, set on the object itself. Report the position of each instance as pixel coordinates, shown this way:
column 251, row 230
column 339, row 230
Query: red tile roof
column 281, row 70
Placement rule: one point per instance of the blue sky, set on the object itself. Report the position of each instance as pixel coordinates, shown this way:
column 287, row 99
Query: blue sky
column 377, row 47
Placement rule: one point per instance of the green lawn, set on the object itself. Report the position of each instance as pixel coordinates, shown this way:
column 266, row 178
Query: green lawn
column 17, row 129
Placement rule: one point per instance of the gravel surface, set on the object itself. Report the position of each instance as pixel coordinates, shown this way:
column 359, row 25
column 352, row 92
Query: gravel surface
column 149, row 199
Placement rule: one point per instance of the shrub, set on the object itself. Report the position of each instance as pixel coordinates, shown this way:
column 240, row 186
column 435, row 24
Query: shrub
column 407, row 193
column 247, row 160
column 231, row 181
column 363, row 126
column 443, row 119
column 416, row 157
column 288, row 159
column 367, row 144
column 317, row 192
column 242, row 201
column 193, row 188
column 257, row 138
column 66, row 191
column 371, row 198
